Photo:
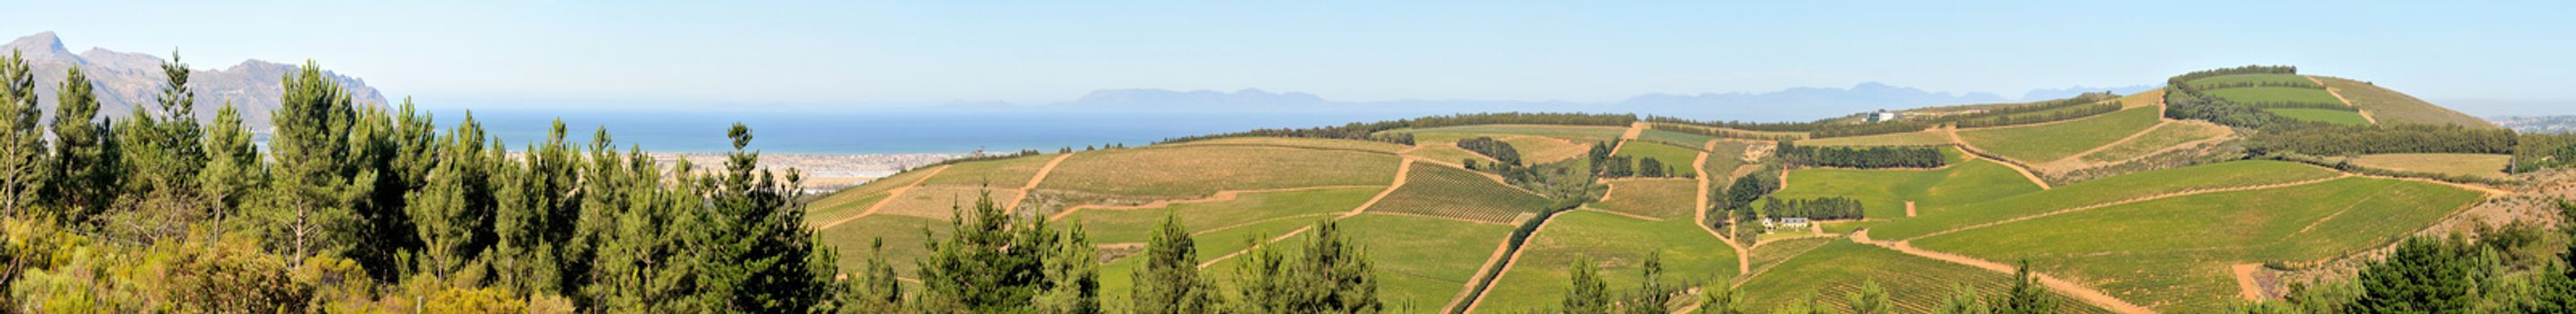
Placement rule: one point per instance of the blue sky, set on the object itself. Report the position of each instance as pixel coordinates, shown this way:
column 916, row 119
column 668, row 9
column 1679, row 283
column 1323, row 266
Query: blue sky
column 867, row 52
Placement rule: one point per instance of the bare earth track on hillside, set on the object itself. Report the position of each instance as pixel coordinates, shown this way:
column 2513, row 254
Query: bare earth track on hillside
column 891, row 195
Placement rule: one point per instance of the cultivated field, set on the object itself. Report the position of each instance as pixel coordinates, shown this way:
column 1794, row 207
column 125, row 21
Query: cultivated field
column 1448, row 152
column 1322, row 143
column 1005, row 173
column 940, row 201
column 903, row 235
column 2050, row 142
column 2172, row 254
column 852, row 201
column 2273, row 94
column 1618, row 246
column 2321, row 115
column 1189, row 172
column 1442, row 191
column 2479, row 165
column 1771, row 254
column 1674, row 138
column 1117, row 277
column 2393, row 107
column 1722, row 162
column 2168, row 136
column 1883, row 193
column 1134, row 225
column 1421, row 263
column 1672, row 156
column 1935, row 217
column 1915, row 284
column 1578, row 134
column 1896, row 139
column 1670, row 199
column 1544, row 150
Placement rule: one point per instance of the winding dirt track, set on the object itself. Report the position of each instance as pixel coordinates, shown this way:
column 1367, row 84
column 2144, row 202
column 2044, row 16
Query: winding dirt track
column 1514, row 261
column 2365, row 114
column 1743, row 257
column 2080, row 292
column 1400, row 171
column 1953, row 132
column 1014, row 205
column 2246, row 286
column 2132, row 137
column 890, row 197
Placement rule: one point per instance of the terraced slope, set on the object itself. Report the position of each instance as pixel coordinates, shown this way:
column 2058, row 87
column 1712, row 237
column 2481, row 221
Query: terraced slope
column 1837, row 267
column 1198, row 171
column 2053, row 141
column 2391, row 107
column 1441, row 191
column 1617, row 245
column 1935, row 217
column 2172, row 254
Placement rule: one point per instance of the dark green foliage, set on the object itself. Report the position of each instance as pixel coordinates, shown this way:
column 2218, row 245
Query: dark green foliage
column 994, row 263
column 1750, row 188
column 85, row 177
column 1587, row 294
column 1651, row 168
column 1862, row 157
column 1369, row 131
column 1720, row 297
column 1489, row 147
column 2025, row 296
column 1815, row 208
column 159, row 200
column 1328, row 274
column 1668, row 124
column 2422, row 275
column 1651, row 297
column 2085, row 105
column 2180, row 80
column 874, row 289
column 1170, row 280
column 2536, row 151
column 23, row 158
column 2332, row 139
column 1615, row 167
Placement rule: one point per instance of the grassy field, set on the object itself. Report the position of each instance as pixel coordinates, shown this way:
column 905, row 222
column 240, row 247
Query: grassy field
column 1836, row 267
column 2172, row 134
column 2210, row 83
column 1133, row 225
column 1672, row 156
column 1674, row 138
column 2172, row 254
column 1935, row 217
column 1457, row 193
column 1200, row 171
column 939, row 201
column 1771, row 254
column 1896, row 139
column 1117, row 277
column 1722, row 162
column 2321, row 115
column 1883, row 192
column 1322, row 143
column 1663, row 198
column 1544, row 150
column 1011, row 173
column 2043, row 143
column 1421, row 262
column 1448, row 152
column 1618, row 245
column 2481, row 165
column 849, row 202
column 2147, row 98
column 2393, row 107
column 1578, row 134
column 2274, row 94
column 904, row 240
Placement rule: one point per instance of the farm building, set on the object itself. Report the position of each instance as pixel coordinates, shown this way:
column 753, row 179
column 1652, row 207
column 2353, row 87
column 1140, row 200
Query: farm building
column 1787, row 222
column 1882, row 116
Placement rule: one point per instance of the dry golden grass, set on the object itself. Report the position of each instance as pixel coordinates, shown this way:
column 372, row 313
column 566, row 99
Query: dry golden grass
column 939, row 201
column 1544, row 150
column 1198, row 171
column 2479, row 165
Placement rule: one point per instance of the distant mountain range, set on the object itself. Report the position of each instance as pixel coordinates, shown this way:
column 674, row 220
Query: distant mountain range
column 125, row 79
column 2536, row 124
column 1794, row 103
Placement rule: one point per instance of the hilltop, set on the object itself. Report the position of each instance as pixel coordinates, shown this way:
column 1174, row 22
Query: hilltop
column 125, row 79
column 1484, row 213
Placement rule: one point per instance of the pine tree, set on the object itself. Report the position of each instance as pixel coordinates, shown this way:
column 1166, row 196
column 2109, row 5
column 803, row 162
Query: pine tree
column 976, row 269
column 161, row 202
column 1587, row 294
column 1651, row 296
column 22, row 143
column 320, row 175
column 2025, row 297
column 875, row 289
column 1073, row 278
column 449, row 213
column 764, row 260
column 233, row 167
column 86, row 164
column 1870, row 299
column 1170, row 282
column 1719, row 297
column 1326, row 275
column 1963, row 300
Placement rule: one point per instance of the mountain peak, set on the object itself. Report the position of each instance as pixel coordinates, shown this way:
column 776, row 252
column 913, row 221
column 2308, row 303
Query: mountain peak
column 41, row 43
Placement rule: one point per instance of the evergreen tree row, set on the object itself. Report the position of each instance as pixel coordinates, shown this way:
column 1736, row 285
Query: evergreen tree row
column 2289, row 84
column 2535, row 151
column 2319, row 138
column 1817, row 208
column 2186, row 78
column 1668, row 124
column 1499, row 150
column 1861, row 157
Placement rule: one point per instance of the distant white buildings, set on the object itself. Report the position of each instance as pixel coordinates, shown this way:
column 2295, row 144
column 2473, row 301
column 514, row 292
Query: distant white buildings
column 1882, row 116
column 1785, row 223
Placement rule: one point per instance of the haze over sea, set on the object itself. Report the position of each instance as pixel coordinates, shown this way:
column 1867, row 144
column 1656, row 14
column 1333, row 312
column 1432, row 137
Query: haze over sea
column 906, row 131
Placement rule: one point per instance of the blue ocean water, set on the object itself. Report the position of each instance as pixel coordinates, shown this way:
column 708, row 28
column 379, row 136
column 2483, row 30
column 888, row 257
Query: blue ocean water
column 884, row 132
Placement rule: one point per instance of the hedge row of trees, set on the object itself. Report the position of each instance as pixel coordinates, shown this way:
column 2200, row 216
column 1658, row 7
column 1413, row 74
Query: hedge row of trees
column 2082, row 105
column 2535, row 151
column 2069, row 113
column 352, row 207
column 2186, row 78
column 1862, row 157
column 1750, row 188
column 2184, row 101
column 1369, row 131
column 1488, row 146
column 2289, row 84
column 1719, row 133
column 2319, row 138
column 1644, row 167
column 1814, row 208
